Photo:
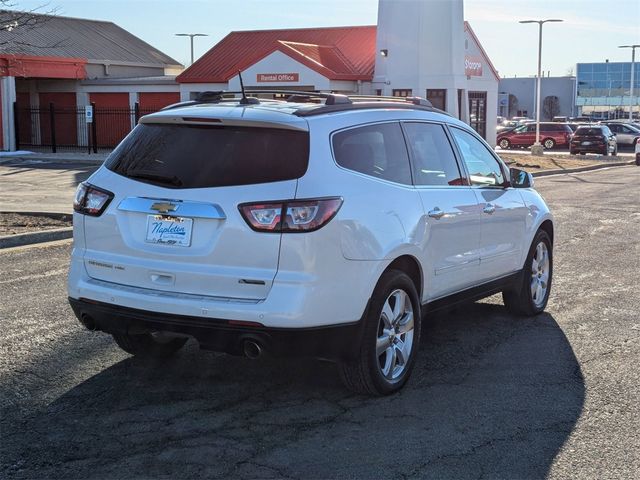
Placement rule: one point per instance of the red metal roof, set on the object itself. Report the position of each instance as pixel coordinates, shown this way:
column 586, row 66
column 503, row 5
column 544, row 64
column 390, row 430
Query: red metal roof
column 339, row 53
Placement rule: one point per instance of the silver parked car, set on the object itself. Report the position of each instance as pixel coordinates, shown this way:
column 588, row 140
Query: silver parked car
column 626, row 133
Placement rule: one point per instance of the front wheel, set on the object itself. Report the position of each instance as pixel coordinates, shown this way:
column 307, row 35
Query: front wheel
column 390, row 338
column 504, row 144
column 151, row 345
column 531, row 294
column 549, row 143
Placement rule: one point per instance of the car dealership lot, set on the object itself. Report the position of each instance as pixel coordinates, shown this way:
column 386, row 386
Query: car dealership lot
column 491, row 395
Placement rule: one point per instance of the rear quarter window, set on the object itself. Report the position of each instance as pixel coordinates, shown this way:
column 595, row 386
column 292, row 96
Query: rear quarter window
column 377, row 150
column 201, row 156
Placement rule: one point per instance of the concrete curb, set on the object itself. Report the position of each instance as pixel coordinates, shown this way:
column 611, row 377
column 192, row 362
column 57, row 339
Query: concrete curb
column 9, row 241
column 588, row 168
column 54, row 215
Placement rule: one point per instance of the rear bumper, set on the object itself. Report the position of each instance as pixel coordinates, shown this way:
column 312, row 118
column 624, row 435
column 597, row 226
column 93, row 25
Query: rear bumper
column 333, row 342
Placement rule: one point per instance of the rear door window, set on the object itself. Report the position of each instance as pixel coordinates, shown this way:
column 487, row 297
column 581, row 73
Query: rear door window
column 197, row 156
column 433, row 160
column 376, row 150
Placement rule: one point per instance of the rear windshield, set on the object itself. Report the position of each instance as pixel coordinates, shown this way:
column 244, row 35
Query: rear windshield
column 588, row 131
column 195, row 156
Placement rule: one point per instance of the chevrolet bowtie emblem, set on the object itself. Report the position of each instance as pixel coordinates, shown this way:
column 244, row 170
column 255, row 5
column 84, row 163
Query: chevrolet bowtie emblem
column 164, row 207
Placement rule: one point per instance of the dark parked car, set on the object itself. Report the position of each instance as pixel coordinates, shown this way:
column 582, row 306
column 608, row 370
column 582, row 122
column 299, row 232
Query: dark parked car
column 594, row 139
column 551, row 134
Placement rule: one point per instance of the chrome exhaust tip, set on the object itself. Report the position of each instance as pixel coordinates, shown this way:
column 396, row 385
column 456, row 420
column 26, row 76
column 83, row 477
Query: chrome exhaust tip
column 252, row 349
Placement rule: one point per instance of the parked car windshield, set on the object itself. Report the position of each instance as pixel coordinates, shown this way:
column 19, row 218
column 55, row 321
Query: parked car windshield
column 197, row 156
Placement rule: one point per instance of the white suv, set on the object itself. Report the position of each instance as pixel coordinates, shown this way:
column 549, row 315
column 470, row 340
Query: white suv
column 323, row 226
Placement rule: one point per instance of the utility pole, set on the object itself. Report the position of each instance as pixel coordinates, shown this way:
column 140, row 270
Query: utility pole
column 538, row 149
column 633, row 62
column 191, row 35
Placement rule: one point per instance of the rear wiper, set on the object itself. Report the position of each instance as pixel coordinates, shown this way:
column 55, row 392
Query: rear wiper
column 156, row 177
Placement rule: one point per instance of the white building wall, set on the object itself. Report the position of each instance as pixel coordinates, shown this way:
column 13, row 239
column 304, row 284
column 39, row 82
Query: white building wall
column 278, row 62
column 425, row 48
column 487, row 82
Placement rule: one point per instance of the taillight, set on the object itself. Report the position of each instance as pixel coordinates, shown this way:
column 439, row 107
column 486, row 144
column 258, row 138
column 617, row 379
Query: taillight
column 290, row 216
column 90, row 200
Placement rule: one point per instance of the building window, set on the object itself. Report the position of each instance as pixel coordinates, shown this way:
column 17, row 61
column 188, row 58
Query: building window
column 437, row 97
column 460, row 100
column 402, row 92
column 379, row 92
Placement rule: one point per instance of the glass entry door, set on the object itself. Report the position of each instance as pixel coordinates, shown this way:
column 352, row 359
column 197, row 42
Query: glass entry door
column 478, row 112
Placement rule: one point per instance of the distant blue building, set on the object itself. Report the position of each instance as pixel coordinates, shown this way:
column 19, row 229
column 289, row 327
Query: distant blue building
column 602, row 89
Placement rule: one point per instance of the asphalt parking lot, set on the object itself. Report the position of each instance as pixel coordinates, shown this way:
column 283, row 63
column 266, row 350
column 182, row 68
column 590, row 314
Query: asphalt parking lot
column 492, row 396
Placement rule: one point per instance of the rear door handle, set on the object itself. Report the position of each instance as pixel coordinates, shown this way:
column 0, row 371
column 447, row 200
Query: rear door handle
column 436, row 213
column 489, row 208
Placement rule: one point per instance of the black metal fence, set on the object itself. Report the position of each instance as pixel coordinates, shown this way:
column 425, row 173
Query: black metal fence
column 58, row 128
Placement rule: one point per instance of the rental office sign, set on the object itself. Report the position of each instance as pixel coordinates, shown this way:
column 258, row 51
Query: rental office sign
column 277, row 77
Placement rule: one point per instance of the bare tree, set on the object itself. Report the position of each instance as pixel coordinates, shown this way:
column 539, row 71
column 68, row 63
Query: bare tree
column 551, row 106
column 14, row 24
column 513, row 105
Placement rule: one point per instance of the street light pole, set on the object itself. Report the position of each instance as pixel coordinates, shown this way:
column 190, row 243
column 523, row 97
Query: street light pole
column 191, row 35
column 538, row 149
column 633, row 62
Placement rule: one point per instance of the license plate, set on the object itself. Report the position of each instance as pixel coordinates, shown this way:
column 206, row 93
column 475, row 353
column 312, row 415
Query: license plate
column 169, row 230
column 586, row 143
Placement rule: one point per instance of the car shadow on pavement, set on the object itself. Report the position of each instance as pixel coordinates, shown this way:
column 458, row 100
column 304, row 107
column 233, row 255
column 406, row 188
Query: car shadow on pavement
column 491, row 395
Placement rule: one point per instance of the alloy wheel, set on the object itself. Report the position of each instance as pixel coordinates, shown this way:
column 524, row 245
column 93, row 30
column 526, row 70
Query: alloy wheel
column 540, row 274
column 395, row 335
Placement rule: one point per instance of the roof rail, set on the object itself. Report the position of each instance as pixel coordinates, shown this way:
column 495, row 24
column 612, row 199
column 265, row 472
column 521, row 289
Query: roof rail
column 333, row 102
column 294, row 96
column 378, row 98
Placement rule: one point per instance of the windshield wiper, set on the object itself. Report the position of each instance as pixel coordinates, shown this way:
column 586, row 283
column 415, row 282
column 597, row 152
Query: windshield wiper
column 173, row 180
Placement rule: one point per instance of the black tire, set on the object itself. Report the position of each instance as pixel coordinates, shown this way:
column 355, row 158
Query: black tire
column 504, row 144
column 572, row 152
column 605, row 152
column 364, row 374
column 146, row 345
column 519, row 300
column 548, row 143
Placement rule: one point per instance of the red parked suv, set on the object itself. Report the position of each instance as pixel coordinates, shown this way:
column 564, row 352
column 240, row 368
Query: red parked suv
column 551, row 134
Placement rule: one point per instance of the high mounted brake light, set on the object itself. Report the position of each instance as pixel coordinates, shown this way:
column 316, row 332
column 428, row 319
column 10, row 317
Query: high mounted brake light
column 90, row 200
column 290, row 216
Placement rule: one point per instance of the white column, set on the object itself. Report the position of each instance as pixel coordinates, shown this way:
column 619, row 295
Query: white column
column 133, row 99
column 8, row 90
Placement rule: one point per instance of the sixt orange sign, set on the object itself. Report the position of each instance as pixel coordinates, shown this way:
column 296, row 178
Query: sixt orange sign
column 472, row 66
column 278, row 77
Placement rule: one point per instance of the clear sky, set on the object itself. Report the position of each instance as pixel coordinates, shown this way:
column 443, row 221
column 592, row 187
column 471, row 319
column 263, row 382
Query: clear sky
column 591, row 31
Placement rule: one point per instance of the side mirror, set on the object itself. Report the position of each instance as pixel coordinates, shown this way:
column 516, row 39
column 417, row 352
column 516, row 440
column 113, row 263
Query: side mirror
column 520, row 178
